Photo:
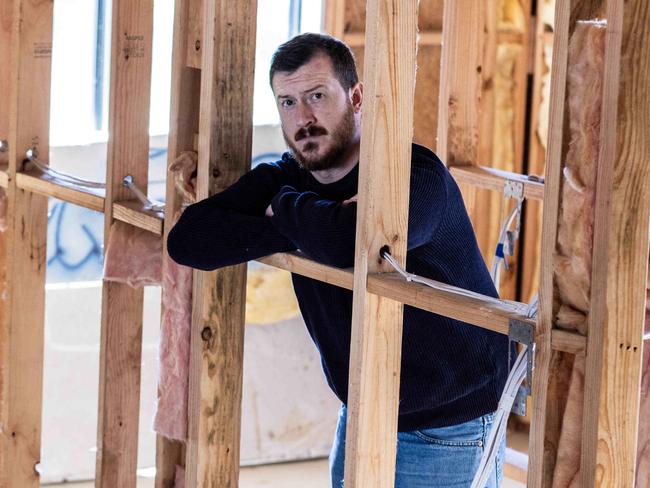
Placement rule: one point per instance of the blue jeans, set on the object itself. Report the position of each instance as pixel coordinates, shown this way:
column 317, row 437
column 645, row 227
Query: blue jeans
column 444, row 457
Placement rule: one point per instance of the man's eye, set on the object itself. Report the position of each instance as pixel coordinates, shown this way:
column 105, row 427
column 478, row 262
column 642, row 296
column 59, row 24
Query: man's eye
column 317, row 96
column 286, row 103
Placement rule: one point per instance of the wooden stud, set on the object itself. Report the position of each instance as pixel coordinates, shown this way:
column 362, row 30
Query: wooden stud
column 620, row 257
column 549, row 388
column 225, row 140
column 495, row 179
column 184, row 121
column 121, row 322
column 193, row 28
column 375, row 350
column 334, row 18
column 21, row 338
column 459, row 105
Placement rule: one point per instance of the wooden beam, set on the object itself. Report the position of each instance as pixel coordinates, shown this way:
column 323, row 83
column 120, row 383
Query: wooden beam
column 334, row 18
column 193, row 31
column 225, row 139
column 473, row 308
column 547, row 409
column 132, row 212
column 27, row 105
column 620, row 258
column 121, row 322
column 385, row 162
column 42, row 184
column 183, row 125
column 495, row 179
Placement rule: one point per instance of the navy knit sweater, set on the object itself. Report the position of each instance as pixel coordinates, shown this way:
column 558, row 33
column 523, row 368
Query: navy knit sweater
column 451, row 372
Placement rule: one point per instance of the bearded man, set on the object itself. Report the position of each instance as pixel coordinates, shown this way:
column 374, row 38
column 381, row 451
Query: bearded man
column 452, row 373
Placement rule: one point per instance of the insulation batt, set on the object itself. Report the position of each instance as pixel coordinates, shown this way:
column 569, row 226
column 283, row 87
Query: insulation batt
column 174, row 352
column 572, row 261
column 133, row 256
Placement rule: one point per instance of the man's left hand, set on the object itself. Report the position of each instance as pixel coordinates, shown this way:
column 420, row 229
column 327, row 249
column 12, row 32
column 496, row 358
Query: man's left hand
column 269, row 211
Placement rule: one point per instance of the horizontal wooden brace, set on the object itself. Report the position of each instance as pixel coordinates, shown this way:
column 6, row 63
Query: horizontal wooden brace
column 456, row 303
column 494, row 179
column 132, row 212
column 473, row 308
column 37, row 182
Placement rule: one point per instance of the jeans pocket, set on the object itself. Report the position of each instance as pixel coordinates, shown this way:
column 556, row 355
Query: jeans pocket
column 468, row 434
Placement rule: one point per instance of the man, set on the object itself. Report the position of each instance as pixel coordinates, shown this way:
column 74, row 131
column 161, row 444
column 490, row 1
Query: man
column 452, row 373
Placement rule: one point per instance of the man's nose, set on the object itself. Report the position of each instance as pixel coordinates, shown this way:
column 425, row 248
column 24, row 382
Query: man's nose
column 305, row 116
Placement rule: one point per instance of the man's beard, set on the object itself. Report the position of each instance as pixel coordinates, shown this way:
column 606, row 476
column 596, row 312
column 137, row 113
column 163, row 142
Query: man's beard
column 341, row 139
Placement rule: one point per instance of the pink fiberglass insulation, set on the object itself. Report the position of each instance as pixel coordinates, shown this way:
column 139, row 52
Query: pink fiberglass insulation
column 572, row 263
column 174, row 362
column 572, row 260
column 180, row 477
column 176, row 322
column 133, row 256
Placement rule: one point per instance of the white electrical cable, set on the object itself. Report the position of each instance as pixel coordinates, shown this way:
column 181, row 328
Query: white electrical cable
column 514, row 381
column 64, row 177
column 148, row 204
column 57, row 175
column 495, row 270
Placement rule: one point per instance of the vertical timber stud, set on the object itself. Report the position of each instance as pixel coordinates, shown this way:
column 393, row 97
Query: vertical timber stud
column 461, row 78
column 183, row 125
column 23, row 317
column 620, row 259
column 225, row 144
column 546, row 415
column 121, row 324
column 382, row 219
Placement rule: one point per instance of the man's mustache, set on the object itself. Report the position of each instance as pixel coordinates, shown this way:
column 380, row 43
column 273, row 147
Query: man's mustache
column 312, row 130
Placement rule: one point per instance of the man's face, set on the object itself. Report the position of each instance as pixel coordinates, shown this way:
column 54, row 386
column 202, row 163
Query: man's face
column 320, row 120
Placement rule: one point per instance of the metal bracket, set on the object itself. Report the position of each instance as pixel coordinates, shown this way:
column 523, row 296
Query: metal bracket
column 513, row 189
column 523, row 333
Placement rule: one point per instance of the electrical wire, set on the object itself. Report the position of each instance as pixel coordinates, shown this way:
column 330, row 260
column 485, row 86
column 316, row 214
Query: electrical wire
column 513, row 383
column 66, row 178
column 57, row 175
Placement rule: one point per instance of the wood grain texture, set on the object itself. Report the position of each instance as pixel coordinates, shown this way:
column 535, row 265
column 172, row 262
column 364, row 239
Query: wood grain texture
column 26, row 104
column 385, row 162
column 443, row 299
column 193, row 31
column 494, row 179
column 216, row 354
column 121, row 321
column 183, row 125
column 549, row 391
column 429, row 18
column 6, row 17
column 132, row 212
column 334, row 18
column 617, row 312
column 37, row 182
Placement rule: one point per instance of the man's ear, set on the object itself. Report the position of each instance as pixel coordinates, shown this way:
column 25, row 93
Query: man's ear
column 356, row 96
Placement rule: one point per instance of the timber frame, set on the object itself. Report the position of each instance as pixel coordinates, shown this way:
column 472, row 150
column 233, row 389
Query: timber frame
column 212, row 96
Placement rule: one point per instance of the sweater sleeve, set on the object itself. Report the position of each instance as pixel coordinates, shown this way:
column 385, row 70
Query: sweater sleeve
column 230, row 227
column 325, row 230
